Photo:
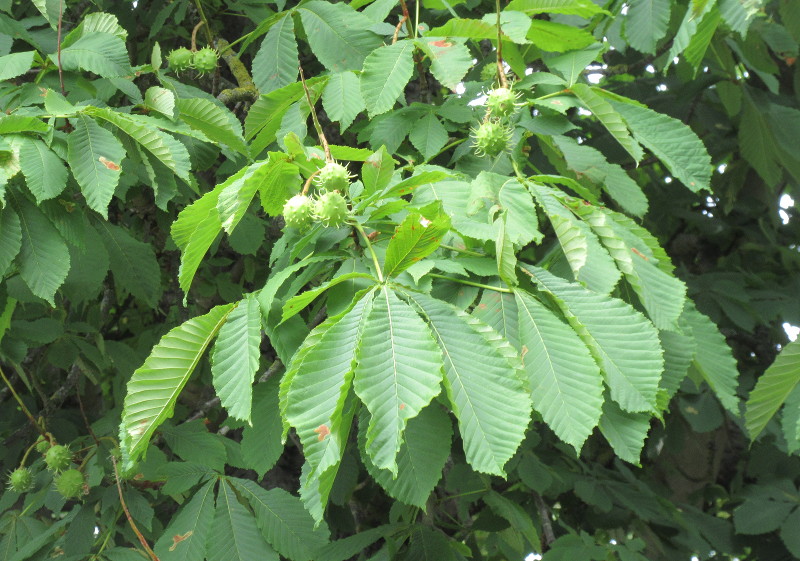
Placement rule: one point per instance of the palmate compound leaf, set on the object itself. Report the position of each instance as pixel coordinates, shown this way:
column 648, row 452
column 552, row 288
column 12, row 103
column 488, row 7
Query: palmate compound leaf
column 284, row 523
column 313, row 397
column 398, row 372
column 235, row 357
column 186, row 536
column 234, row 535
column 566, row 384
column 154, row 387
column 483, row 384
column 422, row 456
column 623, row 342
column 772, row 389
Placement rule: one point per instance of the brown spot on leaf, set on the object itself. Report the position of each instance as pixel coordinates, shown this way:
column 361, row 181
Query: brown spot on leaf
column 322, row 431
column 640, row 254
column 442, row 43
column 178, row 538
column 402, row 406
column 109, row 164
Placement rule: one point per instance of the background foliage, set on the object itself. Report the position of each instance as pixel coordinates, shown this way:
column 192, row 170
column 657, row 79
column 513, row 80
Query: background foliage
column 565, row 342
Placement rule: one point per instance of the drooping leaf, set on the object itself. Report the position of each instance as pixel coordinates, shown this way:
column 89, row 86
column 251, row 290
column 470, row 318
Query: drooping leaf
column 10, row 237
column 646, row 24
column 185, row 537
column 772, row 389
column 234, row 361
column 44, row 172
column 283, row 521
column 95, row 158
column 482, row 383
column 519, row 519
column 672, row 142
column 133, row 263
column 623, row 342
column 338, row 35
column 713, row 359
column 625, row 431
column 385, row 75
column 43, row 259
column 416, row 237
column 210, row 119
column 275, row 64
column 234, row 535
column 154, row 387
column 422, row 456
column 261, row 440
column 566, row 385
column 609, row 117
column 342, row 98
column 398, row 371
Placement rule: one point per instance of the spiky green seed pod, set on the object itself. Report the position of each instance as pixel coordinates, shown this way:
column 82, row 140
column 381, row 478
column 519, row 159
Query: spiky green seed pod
column 20, row 480
column 500, row 102
column 298, row 212
column 205, row 60
column 42, row 446
column 70, row 484
column 180, row 59
column 491, row 138
column 333, row 177
column 57, row 458
column 331, row 209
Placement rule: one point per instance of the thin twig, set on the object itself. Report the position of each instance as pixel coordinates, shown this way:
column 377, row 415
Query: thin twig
column 322, row 139
column 85, row 418
column 423, row 81
column 21, row 403
column 501, row 73
column 194, row 34
column 547, row 524
column 308, row 181
column 145, row 545
column 199, row 5
column 397, row 29
column 58, row 41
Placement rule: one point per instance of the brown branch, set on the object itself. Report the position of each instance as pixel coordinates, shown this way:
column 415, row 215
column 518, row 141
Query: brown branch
column 308, row 181
column 547, row 524
column 145, row 545
column 246, row 91
column 194, row 34
column 397, row 29
column 322, row 139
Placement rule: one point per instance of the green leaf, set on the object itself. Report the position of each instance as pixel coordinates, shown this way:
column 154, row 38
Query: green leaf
column 261, row 440
column 646, row 24
column 504, row 251
column 697, row 47
column 429, row 544
column 398, row 371
column 234, row 361
column 558, row 37
column 345, row 548
column 185, row 537
column 624, row 431
column 160, row 100
column 610, row 119
column 283, row 521
column 192, row 442
column 338, row 35
column 315, row 387
column 757, row 141
column 428, row 135
column 95, row 158
column 566, row 385
column 133, row 263
column 714, row 359
column 45, row 173
column 422, row 456
column 43, row 258
column 103, row 53
column 386, row 72
column 234, row 199
column 234, row 535
column 10, row 238
column 463, row 27
column 376, row 173
column 21, row 123
column 499, row 311
column 772, row 389
column 15, row 64
column 582, row 8
column 275, row 64
column 483, row 384
column 622, row 341
column 679, row 350
column 590, row 262
column 276, row 184
column 591, row 164
column 154, row 387
column 213, row 121
column 416, row 237
column 672, row 142
column 688, row 28
column 450, row 59
column 520, row 520
column 342, row 99
column 505, row 194
column 296, row 303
